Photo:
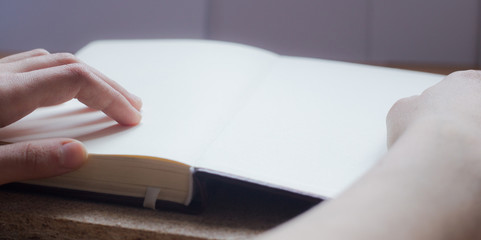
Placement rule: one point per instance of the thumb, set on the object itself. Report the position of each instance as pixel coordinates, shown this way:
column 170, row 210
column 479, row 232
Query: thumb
column 40, row 159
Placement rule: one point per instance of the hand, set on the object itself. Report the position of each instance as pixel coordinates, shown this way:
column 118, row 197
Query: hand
column 456, row 99
column 37, row 78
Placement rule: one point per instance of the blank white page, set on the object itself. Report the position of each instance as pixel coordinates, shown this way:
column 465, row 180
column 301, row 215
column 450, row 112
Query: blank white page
column 313, row 125
column 189, row 88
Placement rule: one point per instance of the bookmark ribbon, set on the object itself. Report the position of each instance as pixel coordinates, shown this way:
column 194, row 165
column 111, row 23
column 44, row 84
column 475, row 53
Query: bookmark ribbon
column 151, row 195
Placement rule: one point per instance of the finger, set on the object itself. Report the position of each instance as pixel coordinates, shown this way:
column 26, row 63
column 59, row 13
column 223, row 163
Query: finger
column 24, row 55
column 40, row 159
column 133, row 99
column 58, row 59
column 41, row 61
column 55, row 85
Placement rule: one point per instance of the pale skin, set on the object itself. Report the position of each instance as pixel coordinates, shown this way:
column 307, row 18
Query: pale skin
column 36, row 78
column 428, row 185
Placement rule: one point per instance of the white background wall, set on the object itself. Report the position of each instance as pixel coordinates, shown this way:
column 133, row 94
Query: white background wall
column 67, row 25
column 444, row 32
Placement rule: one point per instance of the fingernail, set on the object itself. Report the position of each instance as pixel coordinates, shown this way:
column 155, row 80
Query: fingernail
column 133, row 119
column 137, row 101
column 135, row 97
column 73, row 155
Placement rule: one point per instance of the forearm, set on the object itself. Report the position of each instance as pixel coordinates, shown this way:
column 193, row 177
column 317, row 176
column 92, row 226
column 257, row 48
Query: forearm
column 428, row 186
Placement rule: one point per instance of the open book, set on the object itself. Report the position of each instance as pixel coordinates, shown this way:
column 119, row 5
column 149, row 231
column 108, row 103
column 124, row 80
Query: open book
column 306, row 126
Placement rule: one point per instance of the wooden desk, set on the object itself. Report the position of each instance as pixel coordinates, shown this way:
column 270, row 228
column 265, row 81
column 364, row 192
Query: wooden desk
column 233, row 212
column 445, row 70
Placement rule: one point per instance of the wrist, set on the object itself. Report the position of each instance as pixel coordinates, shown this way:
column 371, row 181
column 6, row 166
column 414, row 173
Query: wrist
column 436, row 139
column 430, row 180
